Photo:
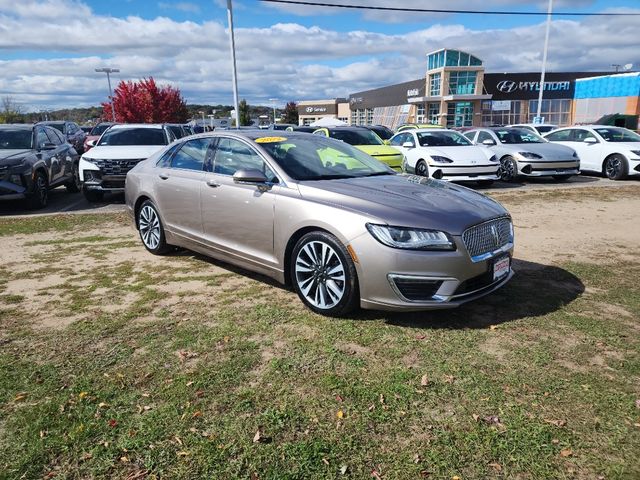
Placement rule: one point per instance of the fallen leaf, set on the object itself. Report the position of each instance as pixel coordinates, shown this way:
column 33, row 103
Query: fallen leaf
column 424, row 381
column 455, row 477
column 376, row 475
column 492, row 419
column 226, row 339
column 325, row 461
column 20, row 396
column 496, row 466
column 416, row 458
column 178, row 440
column 146, row 395
column 103, row 405
column 557, row 423
column 146, row 408
column 381, row 398
column 199, row 393
column 112, row 423
column 82, row 395
column 425, row 473
column 492, row 327
column 476, row 417
column 254, row 476
column 344, row 469
column 260, row 438
column 638, row 403
column 124, row 459
column 555, row 441
column 183, row 453
column 189, row 383
column 372, row 407
column 420, row 337
column 340, row 414
column 566, row 452
column 449, row 378
column 196, row 414
column 43, row 433
column 339, row 398
column 86, row 456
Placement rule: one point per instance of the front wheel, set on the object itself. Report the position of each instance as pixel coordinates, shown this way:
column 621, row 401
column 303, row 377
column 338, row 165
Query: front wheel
column 508, row 170
column 324, row 275
column 74, row 185
column 151, row 229
column 422, row 169
column 40, row 195
column 616, row 167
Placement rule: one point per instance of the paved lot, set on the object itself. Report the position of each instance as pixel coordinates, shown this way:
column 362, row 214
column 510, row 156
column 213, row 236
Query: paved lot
column 62, row 202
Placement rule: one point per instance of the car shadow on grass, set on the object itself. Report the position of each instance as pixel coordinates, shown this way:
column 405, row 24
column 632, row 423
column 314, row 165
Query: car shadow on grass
column 535, row 290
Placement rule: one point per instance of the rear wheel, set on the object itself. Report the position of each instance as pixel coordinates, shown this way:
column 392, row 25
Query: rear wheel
column 74, row 185
column 324, row 275
column 508, row 170
column 93, row 196
column 40, row 195
column 616, row 167
column 151, row 229
column 422, row 169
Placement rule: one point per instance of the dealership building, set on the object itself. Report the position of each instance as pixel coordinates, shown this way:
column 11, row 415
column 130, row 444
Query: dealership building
column 456, row 92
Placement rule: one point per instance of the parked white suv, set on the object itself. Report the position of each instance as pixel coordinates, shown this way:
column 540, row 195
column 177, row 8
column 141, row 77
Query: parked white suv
column 104, row 167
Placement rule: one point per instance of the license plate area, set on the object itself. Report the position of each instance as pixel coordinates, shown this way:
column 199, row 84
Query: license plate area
column 501, row 267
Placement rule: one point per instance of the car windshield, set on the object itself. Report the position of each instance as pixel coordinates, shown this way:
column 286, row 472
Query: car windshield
column 442, row 139
column 356, row 137
column 15, row 139
column 99, row 129
column 545, row 128
column 618, row 135
column 320, row 158
column 133, row 136
column 382, row 132
column 518, row 135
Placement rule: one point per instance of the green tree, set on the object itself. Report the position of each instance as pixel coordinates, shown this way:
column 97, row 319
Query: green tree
column 244, row 116
column 290, row 113
column 11, row 111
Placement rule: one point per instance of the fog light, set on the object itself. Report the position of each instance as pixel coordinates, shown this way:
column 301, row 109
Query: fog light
column 92, row 176
column 15, row 179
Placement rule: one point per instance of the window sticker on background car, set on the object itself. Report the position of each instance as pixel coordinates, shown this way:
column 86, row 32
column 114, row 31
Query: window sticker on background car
column 270, row 139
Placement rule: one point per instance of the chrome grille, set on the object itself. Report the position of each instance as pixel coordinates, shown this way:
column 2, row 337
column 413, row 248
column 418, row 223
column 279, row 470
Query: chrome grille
column 116, row 167
column 487, row 237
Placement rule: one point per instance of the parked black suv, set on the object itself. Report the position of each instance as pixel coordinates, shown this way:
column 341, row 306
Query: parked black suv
column 74, row 134
column 34, row 159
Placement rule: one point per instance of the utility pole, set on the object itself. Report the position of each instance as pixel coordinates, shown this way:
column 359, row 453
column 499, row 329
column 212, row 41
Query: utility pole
column 109, row 71
column 204, row 125
column 274, row 100
column 544, row 60
column 233, row 62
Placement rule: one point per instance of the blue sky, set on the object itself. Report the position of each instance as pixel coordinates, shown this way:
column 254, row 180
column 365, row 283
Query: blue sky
column 48, row 55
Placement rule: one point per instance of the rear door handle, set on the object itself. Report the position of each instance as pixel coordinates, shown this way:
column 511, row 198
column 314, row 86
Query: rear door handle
column 213, row 183
column 163, row 176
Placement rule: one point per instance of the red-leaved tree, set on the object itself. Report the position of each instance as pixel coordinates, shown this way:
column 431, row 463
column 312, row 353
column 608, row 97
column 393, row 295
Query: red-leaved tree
column 145, row 102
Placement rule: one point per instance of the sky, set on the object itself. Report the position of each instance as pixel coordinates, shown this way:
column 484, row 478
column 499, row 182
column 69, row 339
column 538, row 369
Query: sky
column 49, row 49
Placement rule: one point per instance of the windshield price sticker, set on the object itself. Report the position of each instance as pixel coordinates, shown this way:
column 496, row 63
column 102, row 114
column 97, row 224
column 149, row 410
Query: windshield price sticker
column 270, row 139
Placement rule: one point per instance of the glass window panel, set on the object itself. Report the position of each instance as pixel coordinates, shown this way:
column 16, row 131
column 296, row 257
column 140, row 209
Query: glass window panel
column 192, row 154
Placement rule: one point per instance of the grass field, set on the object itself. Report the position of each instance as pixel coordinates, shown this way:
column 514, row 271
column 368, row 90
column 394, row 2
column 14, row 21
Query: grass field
column 118, row 364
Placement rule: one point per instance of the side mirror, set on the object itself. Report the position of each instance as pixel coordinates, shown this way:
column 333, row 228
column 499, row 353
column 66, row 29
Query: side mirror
column 489, row 142
column 408, row 145
column 591, row 140
column 91, row 143
column 48, row 146
column 250, row 175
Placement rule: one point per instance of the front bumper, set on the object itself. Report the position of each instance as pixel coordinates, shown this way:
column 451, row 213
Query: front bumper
column 465, row 173
column 456, row 278
column 545, row 168
column 93, row 178
column 15, row 183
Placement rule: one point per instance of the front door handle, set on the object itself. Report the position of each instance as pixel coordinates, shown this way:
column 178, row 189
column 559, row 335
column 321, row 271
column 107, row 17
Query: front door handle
column 213, row 183
column 163, row 176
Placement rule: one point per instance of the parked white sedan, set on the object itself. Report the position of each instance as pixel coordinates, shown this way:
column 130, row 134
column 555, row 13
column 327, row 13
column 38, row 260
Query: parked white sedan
column 613, row 151
column 445, row 154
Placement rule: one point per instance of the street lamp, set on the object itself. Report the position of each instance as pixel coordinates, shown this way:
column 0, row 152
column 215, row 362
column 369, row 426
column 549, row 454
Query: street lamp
column 274, row 100
column 203, row 124
column 109, row 71
column 211, row 120
column 232, row 45
column 544, row 63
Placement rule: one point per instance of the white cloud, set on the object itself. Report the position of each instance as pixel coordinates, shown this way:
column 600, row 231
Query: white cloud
column 187, row 7
column 288, row 61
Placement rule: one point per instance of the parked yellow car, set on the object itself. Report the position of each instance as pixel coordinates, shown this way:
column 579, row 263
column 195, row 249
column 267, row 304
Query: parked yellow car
column 367, row 141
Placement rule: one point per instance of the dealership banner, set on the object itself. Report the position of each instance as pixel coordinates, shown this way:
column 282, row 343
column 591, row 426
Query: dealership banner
column 320, row 109
column 526, row 86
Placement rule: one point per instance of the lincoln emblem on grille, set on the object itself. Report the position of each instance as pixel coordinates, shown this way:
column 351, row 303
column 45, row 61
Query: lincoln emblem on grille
column 496, row 237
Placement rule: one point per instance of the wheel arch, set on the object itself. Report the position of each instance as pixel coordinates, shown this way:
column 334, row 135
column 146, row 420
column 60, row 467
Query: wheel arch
column 136, row 208
column 604, row 161
column 293, row 239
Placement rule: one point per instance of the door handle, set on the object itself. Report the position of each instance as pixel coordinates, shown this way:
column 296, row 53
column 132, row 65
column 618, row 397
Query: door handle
column 163, row 176
column 213, row 183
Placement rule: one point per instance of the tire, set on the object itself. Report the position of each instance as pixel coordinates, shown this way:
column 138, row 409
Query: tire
column 484, row 183
column 40, row 195
column 561, row 178
column 422, row 169
column 93, row 196
column 151, row 229
column 616, row 167
column 74, row 184
column 324, row 275
column 508, row 171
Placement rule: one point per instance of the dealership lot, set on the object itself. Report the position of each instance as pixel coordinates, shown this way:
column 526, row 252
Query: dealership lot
column 116, row 363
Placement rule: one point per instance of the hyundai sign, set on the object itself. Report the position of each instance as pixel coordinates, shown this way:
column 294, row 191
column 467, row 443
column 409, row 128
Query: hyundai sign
column 526, row 86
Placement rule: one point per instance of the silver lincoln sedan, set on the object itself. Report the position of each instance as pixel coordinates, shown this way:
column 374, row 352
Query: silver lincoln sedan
column 318, row 214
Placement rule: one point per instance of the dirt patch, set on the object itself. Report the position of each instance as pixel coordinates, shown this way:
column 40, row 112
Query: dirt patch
column 495, row 346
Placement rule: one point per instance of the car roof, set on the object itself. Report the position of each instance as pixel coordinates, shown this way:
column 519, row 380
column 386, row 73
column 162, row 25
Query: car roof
column 53, row 122
column 17, row 125
column 118, row 126
column 345, row 127
column 532, row 125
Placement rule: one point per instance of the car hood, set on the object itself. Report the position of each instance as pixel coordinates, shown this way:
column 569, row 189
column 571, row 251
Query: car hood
column 548, row 151
column 407, row 200
column 375, row 150
column 11, row 156
column 463, row 155
column 123, row 152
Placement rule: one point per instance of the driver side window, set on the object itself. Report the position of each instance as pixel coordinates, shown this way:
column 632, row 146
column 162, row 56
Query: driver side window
column 398, row 140
column 233, row 155
column 482, row 136
column 41, row 138
column 579, row 135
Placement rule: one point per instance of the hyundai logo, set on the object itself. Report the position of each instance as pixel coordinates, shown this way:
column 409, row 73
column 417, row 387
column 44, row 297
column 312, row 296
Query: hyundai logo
column 507, row 86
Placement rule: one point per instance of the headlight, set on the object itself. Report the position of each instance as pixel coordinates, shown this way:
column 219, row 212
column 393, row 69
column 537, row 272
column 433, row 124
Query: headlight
column 636, row 152
column 90, row 160
column 529, row 155
column 411, row 238
column 439, row 159
column 493, row 159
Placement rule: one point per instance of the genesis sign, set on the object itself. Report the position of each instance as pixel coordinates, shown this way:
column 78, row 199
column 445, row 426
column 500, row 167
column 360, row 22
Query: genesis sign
column 508, row 86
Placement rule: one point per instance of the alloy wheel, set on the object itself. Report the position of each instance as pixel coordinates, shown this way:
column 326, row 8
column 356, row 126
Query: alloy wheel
column 421, row 169
column 613, row 167
column 320, row 274
column 41, row 190
column 149, row 224
column 507, row 170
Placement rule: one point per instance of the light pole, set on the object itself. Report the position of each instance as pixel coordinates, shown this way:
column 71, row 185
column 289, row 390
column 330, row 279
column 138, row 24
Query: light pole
column 203, row 124
column 232, row 44
column 274, row 100
column 211, row 121
column 544, row 61
column 109, row 71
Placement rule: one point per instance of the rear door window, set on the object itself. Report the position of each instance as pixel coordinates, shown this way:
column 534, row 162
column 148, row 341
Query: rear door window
column 191, row 155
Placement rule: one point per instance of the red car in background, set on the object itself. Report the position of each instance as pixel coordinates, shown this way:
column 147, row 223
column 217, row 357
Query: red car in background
column 95, row 134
